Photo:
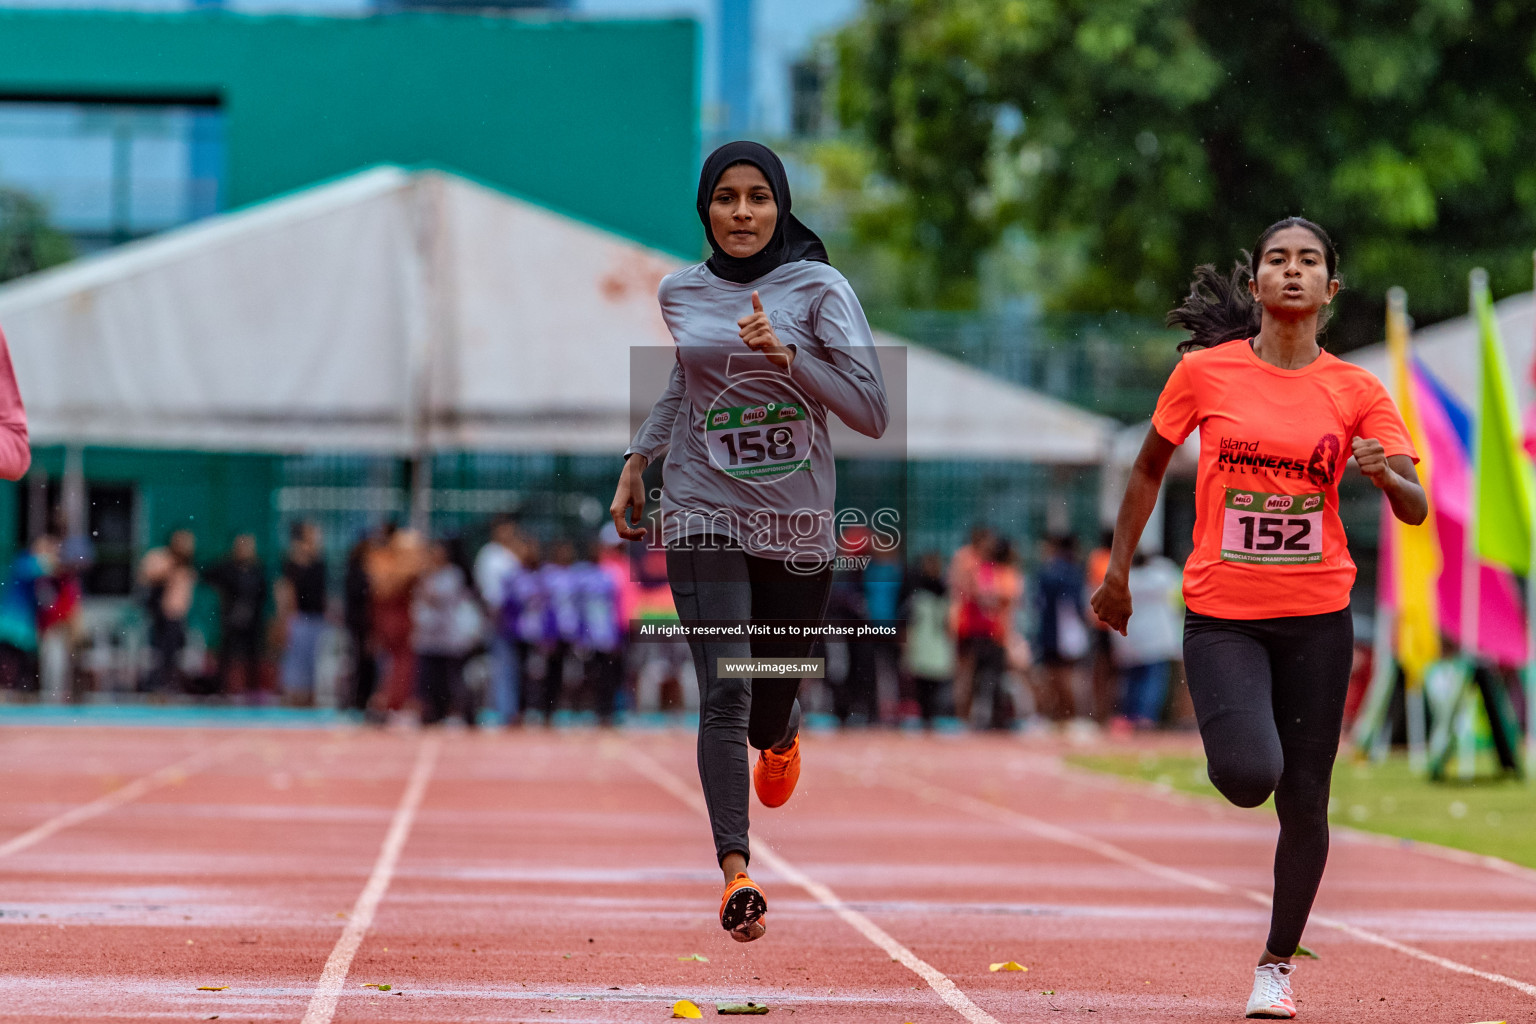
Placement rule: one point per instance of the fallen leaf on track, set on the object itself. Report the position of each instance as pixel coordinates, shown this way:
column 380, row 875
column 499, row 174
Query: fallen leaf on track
column 683, row 1008
column 700, row 958
column 742, row 1008
column 377, row 985
column 1011, row 965
column 212, row 988
column 1304, row 951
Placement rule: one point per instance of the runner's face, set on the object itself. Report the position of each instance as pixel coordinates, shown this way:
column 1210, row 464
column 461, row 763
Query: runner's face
column 1292, row 280
column 742, row 211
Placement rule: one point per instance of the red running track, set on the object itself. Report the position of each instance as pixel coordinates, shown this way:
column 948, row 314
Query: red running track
column 560, row 877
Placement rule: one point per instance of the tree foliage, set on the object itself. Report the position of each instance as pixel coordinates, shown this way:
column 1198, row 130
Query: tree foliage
column 28, row 243
column 1132, row 139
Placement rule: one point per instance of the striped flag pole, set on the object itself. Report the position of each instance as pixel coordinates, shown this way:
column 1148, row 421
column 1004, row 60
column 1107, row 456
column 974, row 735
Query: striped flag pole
column 1471, row 591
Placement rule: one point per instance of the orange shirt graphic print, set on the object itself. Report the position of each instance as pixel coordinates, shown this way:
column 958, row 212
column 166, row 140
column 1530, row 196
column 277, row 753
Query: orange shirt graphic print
column 1323, row 465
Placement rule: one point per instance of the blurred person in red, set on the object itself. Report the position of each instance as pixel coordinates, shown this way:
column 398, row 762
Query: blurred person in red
column 962, row 588
column 241, row 583
column 393, row 568
column 169, row 579
column 986, row 624
column 614, row 559
column 60, row 619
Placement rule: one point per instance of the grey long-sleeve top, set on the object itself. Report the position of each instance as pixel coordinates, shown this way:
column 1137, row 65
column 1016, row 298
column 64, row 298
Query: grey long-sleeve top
column 749, row 455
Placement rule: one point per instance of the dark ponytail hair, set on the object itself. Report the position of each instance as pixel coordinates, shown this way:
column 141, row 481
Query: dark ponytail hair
column 1220, row 308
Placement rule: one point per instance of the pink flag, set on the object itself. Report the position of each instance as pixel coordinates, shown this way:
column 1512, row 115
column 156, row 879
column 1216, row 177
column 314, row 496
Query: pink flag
column 1501, row 616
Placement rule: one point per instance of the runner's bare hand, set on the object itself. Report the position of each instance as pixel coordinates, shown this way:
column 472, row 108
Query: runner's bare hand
column 759, row 335
column 1372, row 458
column 629, row 499
column 1112, row 604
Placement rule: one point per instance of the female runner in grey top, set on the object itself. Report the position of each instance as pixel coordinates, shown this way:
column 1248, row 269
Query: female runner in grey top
column 770, row 338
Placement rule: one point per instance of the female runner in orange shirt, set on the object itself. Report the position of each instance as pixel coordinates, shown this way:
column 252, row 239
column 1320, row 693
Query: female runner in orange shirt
column 1268, row 636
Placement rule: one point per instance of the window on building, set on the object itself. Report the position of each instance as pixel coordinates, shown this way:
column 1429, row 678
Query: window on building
column 808, row 98
column 110, row 519
column 110, row 511
column 109, row 172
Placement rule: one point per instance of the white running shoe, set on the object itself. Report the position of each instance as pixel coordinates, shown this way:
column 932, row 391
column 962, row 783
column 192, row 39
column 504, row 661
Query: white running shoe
column 1271, row 997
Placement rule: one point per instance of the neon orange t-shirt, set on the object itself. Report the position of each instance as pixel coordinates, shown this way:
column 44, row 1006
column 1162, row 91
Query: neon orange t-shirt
column 1273, row 443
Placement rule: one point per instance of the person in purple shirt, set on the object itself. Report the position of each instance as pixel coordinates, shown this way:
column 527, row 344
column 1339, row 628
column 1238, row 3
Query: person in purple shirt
column 597, row 600
column 559, row 624
column 522, row 618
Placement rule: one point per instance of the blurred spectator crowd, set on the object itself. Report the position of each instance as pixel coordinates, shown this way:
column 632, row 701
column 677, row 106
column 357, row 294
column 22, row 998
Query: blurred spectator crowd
column 416, row 627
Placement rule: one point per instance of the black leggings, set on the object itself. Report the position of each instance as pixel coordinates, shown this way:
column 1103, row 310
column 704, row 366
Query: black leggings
column 1269, row 696
column 723, row 584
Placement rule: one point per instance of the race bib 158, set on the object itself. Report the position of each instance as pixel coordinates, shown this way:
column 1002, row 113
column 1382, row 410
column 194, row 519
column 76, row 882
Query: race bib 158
column 759, row 440
column 1272, row 529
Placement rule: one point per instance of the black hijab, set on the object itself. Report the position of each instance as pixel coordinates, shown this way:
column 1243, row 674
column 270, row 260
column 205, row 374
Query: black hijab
column 791, row 239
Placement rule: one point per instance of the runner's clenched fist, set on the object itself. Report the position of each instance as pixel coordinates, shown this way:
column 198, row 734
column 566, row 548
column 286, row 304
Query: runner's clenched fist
column 1372, row 458
column 758, row 333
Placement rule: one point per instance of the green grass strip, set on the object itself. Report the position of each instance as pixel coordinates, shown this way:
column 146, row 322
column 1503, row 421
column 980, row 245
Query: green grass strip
column 1488, row 816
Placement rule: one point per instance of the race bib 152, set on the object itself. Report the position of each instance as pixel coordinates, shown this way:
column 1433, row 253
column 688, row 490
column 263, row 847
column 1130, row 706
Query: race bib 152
column 759, row 440
column 1272, row 529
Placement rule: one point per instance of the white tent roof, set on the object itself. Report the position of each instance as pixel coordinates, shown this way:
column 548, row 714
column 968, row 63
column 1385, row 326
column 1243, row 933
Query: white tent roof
column 396, row 311
column 1449, row 349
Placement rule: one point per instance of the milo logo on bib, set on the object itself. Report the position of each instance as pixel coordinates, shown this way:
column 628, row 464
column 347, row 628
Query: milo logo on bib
column 1272, row 529
column 753, row 441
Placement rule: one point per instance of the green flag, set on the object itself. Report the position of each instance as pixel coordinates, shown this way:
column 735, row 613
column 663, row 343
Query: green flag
column 1504, row 479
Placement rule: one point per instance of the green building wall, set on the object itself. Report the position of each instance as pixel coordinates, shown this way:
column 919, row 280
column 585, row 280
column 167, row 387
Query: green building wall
column 595, row 118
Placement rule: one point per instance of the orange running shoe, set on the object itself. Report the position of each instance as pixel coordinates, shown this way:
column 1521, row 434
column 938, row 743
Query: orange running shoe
column 774, row 776
column 742, row 909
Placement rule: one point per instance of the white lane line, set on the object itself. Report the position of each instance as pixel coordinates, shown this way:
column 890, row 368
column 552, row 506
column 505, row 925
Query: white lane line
column 1068, row 837
column 937, row 980
column 322, row 1005
column 169, row 775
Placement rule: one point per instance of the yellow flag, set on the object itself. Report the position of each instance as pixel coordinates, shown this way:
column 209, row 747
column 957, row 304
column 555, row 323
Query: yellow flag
column 1416, row 549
